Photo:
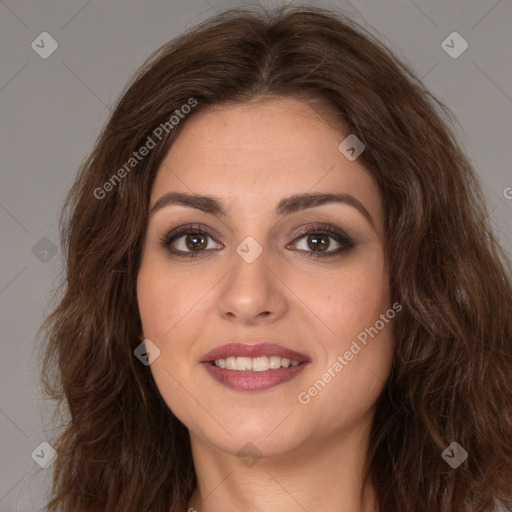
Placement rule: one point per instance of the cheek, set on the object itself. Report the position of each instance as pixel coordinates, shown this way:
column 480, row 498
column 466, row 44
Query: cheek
column 166, row 295
column 349, row 299
column 357, row 299
column 162, row 307
column 173, row 305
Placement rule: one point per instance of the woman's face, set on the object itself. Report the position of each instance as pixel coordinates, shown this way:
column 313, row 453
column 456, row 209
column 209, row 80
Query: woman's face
column 275, row 267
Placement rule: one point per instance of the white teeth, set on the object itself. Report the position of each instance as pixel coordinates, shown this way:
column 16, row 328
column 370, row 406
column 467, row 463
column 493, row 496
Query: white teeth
column 274, row 362
column 260, row 364
column 255, row 364
column 244, row 363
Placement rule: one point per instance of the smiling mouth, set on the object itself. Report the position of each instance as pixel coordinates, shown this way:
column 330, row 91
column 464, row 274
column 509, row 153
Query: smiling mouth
column 253, row 380
column 253, row 367
column 254, row 364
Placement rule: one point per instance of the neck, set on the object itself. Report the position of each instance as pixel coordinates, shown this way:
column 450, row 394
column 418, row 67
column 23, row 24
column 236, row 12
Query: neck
column 326, row 472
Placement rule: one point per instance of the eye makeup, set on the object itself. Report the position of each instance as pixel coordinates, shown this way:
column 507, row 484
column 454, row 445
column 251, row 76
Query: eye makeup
column 198, row 236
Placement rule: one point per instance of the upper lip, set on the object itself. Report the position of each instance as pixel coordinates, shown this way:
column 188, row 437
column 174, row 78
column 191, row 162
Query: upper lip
column 252, row 350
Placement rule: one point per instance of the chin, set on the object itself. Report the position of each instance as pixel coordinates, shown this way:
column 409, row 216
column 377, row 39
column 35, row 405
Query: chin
column 249, row 435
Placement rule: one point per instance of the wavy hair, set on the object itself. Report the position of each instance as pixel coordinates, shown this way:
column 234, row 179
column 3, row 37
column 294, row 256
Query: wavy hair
column 120, row 447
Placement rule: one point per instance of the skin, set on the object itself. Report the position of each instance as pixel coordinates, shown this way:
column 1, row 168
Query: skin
column 251, row 156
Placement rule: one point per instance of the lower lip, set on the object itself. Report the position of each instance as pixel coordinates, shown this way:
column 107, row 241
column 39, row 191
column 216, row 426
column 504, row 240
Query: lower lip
column 253, row 381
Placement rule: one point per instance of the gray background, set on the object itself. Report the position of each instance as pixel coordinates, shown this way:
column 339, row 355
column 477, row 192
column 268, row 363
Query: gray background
column 52, row 110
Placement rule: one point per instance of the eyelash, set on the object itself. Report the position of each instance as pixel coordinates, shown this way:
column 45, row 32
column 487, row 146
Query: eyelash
column 346, row 243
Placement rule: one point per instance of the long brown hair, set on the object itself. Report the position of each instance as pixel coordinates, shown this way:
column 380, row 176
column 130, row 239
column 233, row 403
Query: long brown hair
column 121, row 448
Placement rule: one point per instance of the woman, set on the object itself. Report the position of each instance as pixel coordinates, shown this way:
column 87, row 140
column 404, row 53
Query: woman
column 282, row 288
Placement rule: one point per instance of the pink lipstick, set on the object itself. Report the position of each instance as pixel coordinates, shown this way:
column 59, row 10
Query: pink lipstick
column 253, row 367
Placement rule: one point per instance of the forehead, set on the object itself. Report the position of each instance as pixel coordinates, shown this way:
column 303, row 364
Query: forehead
column 260, row 152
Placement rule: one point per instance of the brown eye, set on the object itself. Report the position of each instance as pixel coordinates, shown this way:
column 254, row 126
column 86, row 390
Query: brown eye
column 319, row 243
column 196, row 241
column 189, row 241
column 322, row 241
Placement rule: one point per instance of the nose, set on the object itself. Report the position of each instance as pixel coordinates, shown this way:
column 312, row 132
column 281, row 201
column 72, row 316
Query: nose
column 252, row 293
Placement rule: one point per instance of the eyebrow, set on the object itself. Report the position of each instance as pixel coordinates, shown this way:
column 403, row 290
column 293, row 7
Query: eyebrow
column 286, row 206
